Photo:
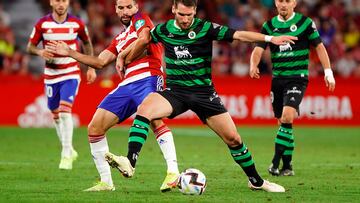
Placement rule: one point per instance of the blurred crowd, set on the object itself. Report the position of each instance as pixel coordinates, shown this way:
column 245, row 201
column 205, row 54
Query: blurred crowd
column 338, row 22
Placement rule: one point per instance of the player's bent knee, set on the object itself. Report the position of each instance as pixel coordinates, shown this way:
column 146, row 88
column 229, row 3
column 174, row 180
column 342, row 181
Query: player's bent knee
column 95, row 129
column 232, row 140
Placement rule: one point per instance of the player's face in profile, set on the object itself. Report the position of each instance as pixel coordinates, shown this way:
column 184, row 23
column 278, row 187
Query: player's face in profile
column 60, row 7
column 125, row 9
column 285, row 8
column 184, row 15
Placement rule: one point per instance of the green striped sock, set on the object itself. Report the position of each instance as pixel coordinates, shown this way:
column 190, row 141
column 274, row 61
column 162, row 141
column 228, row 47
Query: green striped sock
column 289, row 149
column 242, row 156
column 137, row 137
column 282, row 140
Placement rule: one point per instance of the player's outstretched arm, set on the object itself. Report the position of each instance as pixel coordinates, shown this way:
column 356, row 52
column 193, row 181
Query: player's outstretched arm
column 61, row 48
column 254, row 62
column 32, row 49
column 90, row 73
column 248, row 36
column 325, row 62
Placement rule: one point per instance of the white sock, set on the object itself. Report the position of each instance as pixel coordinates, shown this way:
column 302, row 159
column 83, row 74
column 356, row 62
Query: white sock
column 58, row 127
column 98, row 150
column 165, row 140
column 67, row 130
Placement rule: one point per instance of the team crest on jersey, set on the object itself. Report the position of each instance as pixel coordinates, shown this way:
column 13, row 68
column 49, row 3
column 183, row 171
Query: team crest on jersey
column 293, row 28
column 71, row 30
column 192, row 35
column 139, row 24
column 182, row 52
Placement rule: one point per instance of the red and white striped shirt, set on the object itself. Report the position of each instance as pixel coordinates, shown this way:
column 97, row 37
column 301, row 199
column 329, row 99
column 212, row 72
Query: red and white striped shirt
column 46, row 29
column 147, row 66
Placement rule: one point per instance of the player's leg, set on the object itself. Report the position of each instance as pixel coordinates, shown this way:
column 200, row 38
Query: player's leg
column 155, row 106
column 164, row 137
column 277, row 100
column 115, row 108
column 99, row 125
column 286, row 137
column 293, row 94
column 225, row 128
column 68, row 92
column 53, row 102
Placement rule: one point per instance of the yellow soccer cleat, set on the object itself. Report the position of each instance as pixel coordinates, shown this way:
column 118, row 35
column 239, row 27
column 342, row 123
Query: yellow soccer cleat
column 67, row 162
column 121, row 163
column 100, row 186
column 170, row 182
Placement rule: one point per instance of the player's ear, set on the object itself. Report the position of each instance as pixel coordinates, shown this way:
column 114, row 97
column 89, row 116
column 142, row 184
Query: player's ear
column 173, row 9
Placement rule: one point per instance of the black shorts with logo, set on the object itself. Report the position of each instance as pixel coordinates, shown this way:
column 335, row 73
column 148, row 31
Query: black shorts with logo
column 204, row 101
column 287, row 92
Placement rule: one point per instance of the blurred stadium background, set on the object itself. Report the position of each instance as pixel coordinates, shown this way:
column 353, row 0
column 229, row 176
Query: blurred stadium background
column 338, row 22
column 23, row 104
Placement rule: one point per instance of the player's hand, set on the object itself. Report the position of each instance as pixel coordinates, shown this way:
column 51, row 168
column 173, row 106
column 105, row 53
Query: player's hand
column 254, row 72
column 90, row 75
column 282, row 40
column 120, row 66
column 58, row 47
column 46, row 55
column 330, row 82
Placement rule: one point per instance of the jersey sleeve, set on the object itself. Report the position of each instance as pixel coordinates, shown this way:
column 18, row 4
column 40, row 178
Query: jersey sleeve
column 83, row 32
column 141, row 21
column 155, row 32
column 219, row 32
column 36, row 34
column 264, row 30
column 112, row 46
column 313, row 34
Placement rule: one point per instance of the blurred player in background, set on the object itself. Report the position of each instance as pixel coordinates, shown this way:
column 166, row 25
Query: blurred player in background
column 188, row 54
column 62, row 74
column 290, row 75
column 141, row 77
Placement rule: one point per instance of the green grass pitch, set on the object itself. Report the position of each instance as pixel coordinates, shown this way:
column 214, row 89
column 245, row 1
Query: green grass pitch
column 326, row 162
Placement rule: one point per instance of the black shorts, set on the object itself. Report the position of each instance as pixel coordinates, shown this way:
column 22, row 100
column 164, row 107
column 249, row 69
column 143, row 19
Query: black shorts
column 204, row 101
column 287, row 92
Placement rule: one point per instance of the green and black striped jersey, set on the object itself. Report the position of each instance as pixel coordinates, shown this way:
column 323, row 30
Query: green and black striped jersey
column 291, row 60
column 188, row 53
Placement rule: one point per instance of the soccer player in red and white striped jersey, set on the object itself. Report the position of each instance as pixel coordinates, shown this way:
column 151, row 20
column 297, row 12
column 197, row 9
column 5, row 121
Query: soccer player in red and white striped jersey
column 140, row 78
column 61, row 74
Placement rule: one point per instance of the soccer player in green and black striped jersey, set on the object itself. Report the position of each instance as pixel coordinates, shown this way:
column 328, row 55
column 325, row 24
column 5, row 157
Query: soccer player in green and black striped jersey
column 290, row 74
column 188, row 54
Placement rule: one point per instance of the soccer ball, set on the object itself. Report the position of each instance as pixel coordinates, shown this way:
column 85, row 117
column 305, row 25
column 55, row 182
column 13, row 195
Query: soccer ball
column 192, row 182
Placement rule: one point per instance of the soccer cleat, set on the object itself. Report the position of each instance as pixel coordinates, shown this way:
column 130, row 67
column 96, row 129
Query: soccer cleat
column 273, row 171
column 170, row 182
column 121, row 163
column 268, row 187
column 100, row 186
column 67, row 162
column 287, row 172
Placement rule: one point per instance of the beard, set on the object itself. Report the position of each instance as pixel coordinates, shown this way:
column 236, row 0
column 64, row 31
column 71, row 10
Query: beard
column 126, row 21
column 60, row 12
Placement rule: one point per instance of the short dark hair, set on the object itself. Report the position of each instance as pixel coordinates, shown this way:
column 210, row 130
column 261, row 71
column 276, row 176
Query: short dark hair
column 188, row 3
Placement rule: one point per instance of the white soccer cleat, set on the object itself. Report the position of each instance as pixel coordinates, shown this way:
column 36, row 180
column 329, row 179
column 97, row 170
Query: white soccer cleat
column 171, row 181
column 268, row 187
column 121, row 163
column 67, row 162
column 100, row 186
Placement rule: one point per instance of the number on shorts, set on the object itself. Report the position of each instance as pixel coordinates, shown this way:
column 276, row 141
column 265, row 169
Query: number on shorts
column 49, row 91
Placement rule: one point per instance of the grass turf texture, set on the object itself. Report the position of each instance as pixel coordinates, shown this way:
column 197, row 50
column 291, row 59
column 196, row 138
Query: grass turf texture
column 326, row 162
